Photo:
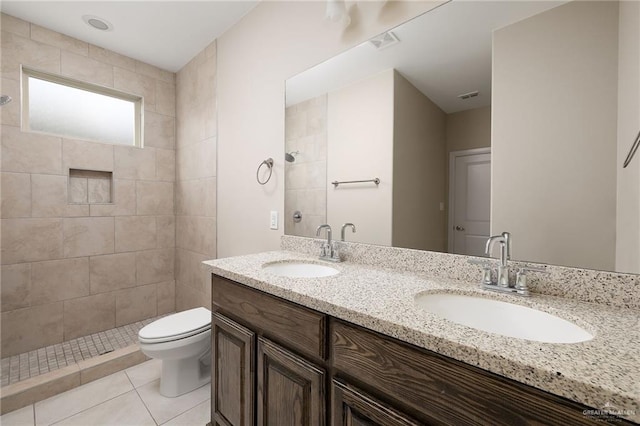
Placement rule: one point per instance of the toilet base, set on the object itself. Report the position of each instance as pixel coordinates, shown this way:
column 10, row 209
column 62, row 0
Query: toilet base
column 180, row 376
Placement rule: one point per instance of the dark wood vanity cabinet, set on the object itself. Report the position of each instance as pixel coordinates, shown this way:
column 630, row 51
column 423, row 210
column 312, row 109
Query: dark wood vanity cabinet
column 290, row 389
column 353, row 407
column 276, row 363
column 268, row 360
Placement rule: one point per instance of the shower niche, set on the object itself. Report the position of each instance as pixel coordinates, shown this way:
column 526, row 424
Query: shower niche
column 90, row 187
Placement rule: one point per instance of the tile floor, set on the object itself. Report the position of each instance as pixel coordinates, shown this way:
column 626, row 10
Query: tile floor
column 130, row 397
column 39, row 361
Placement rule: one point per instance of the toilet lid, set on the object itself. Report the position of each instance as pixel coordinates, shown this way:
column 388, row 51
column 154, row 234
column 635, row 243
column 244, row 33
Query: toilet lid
column 177, row 326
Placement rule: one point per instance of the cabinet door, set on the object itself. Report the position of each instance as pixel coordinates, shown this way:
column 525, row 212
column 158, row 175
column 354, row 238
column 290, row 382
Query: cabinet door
column 352, row 407
column 233, row 378
column 290, row 389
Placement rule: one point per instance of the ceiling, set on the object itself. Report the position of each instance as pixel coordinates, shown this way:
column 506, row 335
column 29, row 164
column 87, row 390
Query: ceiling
column 167, row 34
column 443, row 53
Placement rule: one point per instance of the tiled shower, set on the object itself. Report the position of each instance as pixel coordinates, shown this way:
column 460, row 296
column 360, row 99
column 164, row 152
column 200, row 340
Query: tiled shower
column 95, row 236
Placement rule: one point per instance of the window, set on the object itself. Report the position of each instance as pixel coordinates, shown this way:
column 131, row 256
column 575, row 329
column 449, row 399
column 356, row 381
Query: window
column 74, row 109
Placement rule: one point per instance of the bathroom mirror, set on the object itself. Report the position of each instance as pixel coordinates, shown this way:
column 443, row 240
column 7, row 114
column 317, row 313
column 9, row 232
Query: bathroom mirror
column 477, row 118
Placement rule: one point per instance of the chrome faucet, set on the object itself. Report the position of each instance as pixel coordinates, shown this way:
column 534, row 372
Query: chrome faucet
column 344, row 226
column 502, row 283
column 327, row 251
column 505, row 254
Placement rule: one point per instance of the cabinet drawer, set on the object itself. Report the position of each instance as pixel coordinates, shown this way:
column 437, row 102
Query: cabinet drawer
column 444, row 390
column 300, row 328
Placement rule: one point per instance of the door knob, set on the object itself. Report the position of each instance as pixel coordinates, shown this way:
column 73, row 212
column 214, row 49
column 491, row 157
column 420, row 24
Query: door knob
column 459, row 228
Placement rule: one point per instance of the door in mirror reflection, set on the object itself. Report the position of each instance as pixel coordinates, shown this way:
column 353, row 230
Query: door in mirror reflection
column 469, row 201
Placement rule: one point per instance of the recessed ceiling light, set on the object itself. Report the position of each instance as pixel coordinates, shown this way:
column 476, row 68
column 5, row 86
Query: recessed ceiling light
column 97, row 22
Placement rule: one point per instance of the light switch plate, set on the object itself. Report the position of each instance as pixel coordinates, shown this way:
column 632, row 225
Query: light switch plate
column 273, row 224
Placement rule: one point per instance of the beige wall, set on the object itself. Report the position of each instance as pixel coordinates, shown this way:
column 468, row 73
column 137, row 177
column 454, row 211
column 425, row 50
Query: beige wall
column 419, row 157
column 360, row 147
column 196, row 178
column 628, row 211
column 554, row 132
column 306, row 177
column 275, row 41
column 469, row 129
column 73, row 269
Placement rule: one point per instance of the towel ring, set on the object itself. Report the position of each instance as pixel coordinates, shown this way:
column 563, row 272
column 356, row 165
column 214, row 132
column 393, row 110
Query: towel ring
column 269, row 163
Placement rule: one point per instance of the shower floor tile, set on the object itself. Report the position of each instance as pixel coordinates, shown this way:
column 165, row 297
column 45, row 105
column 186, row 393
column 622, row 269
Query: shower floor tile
column 39, row 361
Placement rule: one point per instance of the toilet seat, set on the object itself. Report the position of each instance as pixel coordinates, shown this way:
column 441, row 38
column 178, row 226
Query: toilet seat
column 176, row 326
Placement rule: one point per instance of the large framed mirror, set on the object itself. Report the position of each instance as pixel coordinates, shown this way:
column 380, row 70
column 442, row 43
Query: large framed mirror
column 477, row 118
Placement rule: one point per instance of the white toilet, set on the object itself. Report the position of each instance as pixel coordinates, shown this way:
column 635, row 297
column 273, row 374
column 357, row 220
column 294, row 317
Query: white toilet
column 183, row 342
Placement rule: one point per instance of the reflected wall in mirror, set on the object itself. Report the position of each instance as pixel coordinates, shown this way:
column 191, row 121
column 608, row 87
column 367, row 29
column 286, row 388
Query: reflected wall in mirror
column 484, row 117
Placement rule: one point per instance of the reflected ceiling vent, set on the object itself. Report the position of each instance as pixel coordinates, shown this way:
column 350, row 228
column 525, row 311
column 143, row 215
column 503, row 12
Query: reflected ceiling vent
column 384, row 40
column 469, row 95
column 97, row 22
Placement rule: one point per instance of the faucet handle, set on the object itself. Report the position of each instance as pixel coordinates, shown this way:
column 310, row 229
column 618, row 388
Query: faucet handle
column 486, row 269
column 521, row 276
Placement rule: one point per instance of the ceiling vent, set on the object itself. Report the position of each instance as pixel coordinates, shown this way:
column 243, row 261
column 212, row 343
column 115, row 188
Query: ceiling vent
column 469, row 95
column 384, row 40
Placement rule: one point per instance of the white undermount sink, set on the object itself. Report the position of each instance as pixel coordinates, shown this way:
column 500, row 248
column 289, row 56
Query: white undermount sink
column 503, row 318
column 299, row 269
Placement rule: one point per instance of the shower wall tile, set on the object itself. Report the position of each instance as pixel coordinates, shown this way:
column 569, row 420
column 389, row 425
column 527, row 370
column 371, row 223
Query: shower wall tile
column 189, row 298
column 135, row 163
column 86, row 69
column 77, row 210
column 30, row 328
column 196, row 141
column 189, row 270
column 14, row 25
column 155, row 72
column 56, row 250
column 48, row 195
column 166, row 297
column 111, row 58
column 166, row 98
column 135, row 233
column 166, row 165
column 197, row 234
column 15, row 291
column 112, row 272
column 30, row 152
column 153, row 266
column 78, row 190
column 18, row 50
column 57, row 280
column 136, row 84
column 10, row 113
column 123, row 200
column 52, row 38
column 99, row 190
column 154, row 198
column 196, row 197
column 159, row 130
column 197, row 160
column 88, row 315
column 84, row 155
column 88, row 236
column 166, row 231
column 30, row 240
column 15, row 191
column 135, row 304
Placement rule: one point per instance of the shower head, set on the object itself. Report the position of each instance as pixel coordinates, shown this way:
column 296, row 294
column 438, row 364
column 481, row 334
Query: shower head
column 289, row 156
column 5, row 99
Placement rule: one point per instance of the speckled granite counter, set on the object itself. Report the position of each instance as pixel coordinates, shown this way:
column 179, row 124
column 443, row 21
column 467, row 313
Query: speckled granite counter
column 602, row 372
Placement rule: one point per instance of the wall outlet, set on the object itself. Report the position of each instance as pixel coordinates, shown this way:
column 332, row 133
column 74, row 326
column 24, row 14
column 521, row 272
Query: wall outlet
column 273, row 223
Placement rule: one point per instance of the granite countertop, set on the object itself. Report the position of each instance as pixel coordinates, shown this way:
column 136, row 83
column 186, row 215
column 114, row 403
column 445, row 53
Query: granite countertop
column 602, row 372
